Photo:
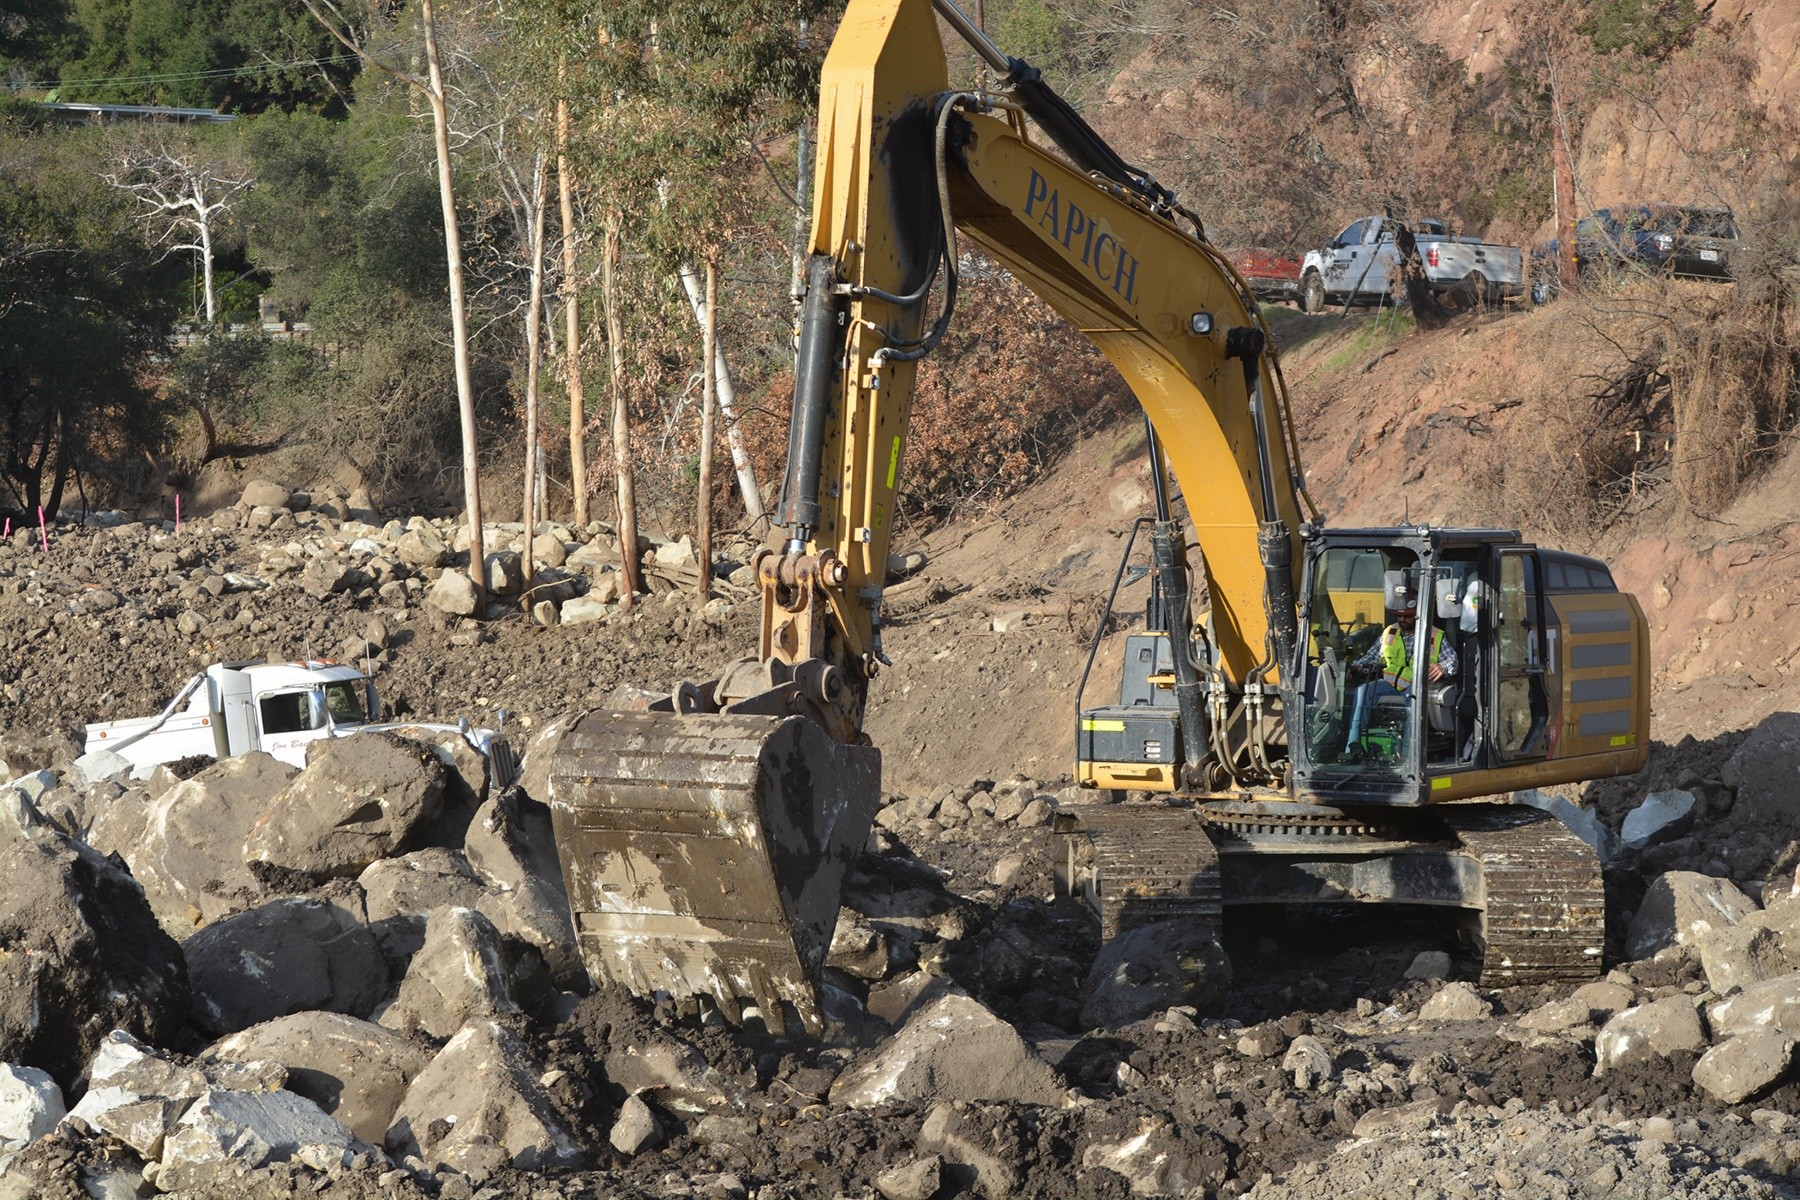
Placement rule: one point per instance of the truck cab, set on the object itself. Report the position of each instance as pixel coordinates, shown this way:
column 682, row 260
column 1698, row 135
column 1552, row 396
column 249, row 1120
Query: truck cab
column 235, row 707
column 279, row 708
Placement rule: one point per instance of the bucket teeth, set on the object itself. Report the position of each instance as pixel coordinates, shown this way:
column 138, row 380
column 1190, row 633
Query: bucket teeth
column 705, row 854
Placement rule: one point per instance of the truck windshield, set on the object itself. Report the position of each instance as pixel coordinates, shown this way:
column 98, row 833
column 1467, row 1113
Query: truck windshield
column 343, row 700
column 1358, row 698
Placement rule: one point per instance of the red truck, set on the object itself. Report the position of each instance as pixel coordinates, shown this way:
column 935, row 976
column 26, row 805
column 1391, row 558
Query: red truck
column 1273, row 275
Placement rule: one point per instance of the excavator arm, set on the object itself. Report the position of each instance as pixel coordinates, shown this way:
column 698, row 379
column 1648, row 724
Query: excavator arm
column 902, row 160
column 704, row 842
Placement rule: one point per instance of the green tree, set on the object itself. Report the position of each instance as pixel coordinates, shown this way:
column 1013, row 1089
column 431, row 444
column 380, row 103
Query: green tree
column 73, row 273
column 36, row 37
column 242, row 56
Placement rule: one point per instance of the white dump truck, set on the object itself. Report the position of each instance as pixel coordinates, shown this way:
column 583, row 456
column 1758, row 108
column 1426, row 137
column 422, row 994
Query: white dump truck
column 278, row 708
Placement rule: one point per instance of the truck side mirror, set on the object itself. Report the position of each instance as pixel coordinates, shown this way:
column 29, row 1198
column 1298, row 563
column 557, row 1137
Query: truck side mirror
column 371, row 701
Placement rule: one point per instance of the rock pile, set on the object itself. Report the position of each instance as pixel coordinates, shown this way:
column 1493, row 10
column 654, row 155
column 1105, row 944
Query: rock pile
column 359, row 979
column 413, row 1024
column 126, row 609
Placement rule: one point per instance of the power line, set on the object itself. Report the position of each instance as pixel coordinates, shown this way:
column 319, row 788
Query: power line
column 183, row 77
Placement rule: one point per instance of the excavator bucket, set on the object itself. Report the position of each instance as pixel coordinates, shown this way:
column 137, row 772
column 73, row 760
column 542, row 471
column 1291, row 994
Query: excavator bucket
column 704, row 854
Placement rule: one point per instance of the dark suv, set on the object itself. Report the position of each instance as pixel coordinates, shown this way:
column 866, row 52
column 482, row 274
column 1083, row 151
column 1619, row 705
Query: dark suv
column 1673, row 238
column 1686, row 241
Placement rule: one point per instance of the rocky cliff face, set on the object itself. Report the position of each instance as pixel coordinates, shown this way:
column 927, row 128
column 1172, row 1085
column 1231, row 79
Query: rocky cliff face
column 1703, row 128
column 1307, row 125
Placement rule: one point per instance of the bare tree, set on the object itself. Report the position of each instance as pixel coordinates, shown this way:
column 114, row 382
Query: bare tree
column 432, row 87
column 708, row 352
column 534, row 325
column 727, row 397
column 621, row 415
column 571, row 296
column 186, row 198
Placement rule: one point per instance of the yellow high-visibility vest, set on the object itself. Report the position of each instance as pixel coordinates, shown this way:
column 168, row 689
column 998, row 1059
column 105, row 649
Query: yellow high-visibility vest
column 1396, row 663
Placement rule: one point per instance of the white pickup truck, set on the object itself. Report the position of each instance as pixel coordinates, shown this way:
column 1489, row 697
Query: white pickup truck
column 279, row 708
column 1360, row 264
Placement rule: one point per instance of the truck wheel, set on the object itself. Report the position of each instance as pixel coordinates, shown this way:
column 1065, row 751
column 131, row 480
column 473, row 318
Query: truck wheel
column 1312, row 293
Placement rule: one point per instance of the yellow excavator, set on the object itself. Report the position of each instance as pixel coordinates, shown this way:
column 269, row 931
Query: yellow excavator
column 1273, row 750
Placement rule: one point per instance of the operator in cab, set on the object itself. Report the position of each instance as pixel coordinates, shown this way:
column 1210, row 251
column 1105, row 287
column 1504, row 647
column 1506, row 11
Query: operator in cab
column 1388, row 665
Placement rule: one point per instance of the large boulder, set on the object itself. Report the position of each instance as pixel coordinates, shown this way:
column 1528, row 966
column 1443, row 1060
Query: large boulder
column 359, row 799
column 260, row 493
column 479, row 1106
column 670, row 1073
column 458, row 975
column 1660, row 817
column 354, row 1070
column 136, row 1094
column 1153, row 968
column 950, row 1049
column 227, row 1132
column 466, row 785
column 635, row 1128
column 453, row 593
column 31, row 1105
column 99, row 766
column 81, row 953
column 1742, row 1066
column 190, row 853
column 400, row 894
column 1681, row 906
column 981, row 1154
column 287, row 956
column 327, row 574
column 1772, row 1004
column 511, row 840
column 1648, row 1033
column 512, row 847
column 118, row 826
column 1754, row 950
column 1764, row 820
column 420, row 546
column 1456, row 1001
column 1161, row 1158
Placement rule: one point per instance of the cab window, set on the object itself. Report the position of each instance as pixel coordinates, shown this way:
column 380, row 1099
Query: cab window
column 1349, row 723
column 292, row 712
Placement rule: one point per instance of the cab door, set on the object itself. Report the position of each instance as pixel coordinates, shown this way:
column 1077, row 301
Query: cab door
column 1348, row 258
column 1521, row 706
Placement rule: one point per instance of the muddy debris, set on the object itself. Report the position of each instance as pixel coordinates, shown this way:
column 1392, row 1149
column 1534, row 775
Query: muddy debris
column 387, row 999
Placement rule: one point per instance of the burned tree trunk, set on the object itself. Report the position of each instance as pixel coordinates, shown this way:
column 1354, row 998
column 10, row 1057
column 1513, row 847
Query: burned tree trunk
column 1429, row 313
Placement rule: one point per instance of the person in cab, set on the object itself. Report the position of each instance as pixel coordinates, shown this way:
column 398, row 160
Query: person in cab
column 1388, row 665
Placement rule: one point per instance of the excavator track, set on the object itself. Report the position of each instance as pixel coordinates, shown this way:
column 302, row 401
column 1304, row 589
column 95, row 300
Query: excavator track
column 1543, row 917
column 1133, row 864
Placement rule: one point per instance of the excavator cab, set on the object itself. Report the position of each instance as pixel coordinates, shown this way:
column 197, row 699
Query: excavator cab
column 1520, row 699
